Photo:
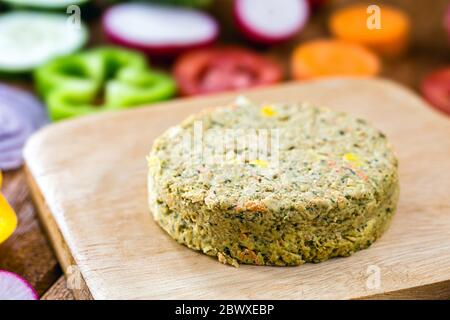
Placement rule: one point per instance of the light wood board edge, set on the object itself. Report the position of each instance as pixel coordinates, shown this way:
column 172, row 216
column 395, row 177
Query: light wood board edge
column 63, row 254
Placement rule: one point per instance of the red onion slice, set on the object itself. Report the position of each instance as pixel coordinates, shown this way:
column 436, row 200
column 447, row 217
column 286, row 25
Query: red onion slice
column 20, row 115
column 11, row 159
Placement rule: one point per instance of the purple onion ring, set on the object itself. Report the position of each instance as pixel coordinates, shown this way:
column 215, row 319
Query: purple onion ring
column 21, row 114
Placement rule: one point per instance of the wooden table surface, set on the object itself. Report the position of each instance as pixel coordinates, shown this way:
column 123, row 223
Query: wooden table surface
column 28, row 251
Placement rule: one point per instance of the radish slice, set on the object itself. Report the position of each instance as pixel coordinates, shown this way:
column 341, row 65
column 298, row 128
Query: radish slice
column 20, row 115
column 159, row 30
column 29, row 39
column 14, row 287
column 47, row 4
column 268, row 21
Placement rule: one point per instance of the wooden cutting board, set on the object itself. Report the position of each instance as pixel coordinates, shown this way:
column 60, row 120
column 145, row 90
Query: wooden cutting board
column 88, row 179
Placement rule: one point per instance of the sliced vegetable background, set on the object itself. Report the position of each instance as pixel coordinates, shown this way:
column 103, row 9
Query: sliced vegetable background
column 29, row 39
column 270, row 22
column 390, row 39
column 159, row 30
column 224, row 68
column 100, row 79
column 325, row 58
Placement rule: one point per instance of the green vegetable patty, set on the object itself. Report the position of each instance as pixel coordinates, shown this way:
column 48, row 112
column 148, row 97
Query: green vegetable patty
column 322, row 184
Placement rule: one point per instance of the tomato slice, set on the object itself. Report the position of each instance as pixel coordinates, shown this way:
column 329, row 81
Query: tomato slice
column 223, row 69
column 436, row 89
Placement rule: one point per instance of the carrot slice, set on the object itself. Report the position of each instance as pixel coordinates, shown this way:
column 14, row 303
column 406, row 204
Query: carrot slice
column 324, row 58
column 359, row 24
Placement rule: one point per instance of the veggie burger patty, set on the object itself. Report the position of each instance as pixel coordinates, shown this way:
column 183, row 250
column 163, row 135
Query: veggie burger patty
column 326, row 184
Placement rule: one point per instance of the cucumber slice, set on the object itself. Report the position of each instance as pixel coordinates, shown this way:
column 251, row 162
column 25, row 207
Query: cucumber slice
column 47, row 4
column 29, row 39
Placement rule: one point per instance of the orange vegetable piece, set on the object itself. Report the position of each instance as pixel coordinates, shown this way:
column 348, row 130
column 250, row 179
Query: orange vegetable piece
column 325, row 58
column 8, row 219
column 383, row 29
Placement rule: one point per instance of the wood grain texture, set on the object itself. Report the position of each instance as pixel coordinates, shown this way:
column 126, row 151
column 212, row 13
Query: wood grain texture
column 435, row 291
column 59, row 291
column 89, row 176
column 27, row 252
column 76, row 281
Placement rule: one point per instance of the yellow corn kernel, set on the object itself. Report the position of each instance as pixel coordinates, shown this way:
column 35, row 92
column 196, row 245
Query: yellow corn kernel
column 353, row 159
column 260, row 163
column 268, row 111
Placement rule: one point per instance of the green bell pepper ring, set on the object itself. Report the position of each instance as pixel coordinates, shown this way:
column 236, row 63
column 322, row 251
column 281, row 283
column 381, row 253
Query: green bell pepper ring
column 100, row 80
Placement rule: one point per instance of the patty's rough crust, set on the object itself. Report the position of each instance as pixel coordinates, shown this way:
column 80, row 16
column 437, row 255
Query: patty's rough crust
column 331, row 189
